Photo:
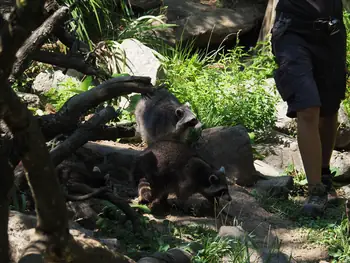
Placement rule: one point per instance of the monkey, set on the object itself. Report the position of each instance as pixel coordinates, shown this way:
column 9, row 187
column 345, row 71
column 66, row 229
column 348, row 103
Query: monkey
column 171, row 166
column 160, row 113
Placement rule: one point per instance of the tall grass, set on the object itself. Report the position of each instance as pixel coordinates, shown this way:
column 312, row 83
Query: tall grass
column 223, row 89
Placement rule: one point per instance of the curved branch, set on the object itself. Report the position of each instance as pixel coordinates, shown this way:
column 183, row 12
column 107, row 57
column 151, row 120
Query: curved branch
column 82, row 135
column 66, row 119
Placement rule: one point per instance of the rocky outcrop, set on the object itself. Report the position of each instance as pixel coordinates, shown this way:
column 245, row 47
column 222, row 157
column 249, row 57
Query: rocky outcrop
column 229, row 147
column 209, row 23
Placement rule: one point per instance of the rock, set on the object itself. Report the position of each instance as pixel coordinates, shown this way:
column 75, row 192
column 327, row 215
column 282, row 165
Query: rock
column 174, row 255
column 229, row 147
column 343, row 135
column 30, row 100
column 341, row 160
column 208, row 24
column 44, row 81
column 21, row 229
column 232, row 231
column 281, row 153
column 145, row 5
column 265, row 169
column 140, row 60
column 283, row 123
column 266, row 255
column 275, row 186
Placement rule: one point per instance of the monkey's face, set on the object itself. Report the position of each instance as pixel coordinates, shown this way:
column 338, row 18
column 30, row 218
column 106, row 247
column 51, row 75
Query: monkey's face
column 218, row 185
column 186, row 118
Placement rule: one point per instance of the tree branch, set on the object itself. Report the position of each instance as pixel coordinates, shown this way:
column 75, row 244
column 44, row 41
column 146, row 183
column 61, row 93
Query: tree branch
column 82, row 135
column 65, row 61
column 66, row 119
column 49, row 201
column 36, row 40
column 5, row 187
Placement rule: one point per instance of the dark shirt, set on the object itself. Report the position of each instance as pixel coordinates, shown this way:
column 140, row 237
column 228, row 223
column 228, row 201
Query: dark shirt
column 311, row 9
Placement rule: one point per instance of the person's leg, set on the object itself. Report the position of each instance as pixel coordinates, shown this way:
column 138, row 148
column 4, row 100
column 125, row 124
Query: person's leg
column 328, row 132
column 330, row 75
column 309, row 143
column 296, row 84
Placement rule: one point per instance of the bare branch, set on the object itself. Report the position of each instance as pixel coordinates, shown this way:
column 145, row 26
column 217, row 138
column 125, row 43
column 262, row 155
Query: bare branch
column 82, row 135
column 65, row 61
column 36, row 40
column 66, row 119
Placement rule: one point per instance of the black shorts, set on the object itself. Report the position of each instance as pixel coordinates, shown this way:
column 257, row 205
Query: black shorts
column 311, row 67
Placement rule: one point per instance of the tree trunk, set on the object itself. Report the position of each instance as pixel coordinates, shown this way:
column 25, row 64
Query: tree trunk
column 268, row 21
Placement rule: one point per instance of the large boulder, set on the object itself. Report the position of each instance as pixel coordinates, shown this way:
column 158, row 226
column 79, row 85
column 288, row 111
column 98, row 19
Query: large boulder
column 140, row 60
column 229, row 147
column 209, row 24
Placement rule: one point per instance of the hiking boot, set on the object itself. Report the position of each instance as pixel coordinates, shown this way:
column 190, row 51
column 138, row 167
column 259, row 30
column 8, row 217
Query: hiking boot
column 316, row 202
column 327, row 180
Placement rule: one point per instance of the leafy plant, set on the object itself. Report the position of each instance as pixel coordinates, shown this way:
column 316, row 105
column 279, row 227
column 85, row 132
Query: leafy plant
column 223, row 89
column 92, row 17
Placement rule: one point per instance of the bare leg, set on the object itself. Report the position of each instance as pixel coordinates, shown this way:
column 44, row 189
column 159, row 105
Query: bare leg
column 310, row 144
column 328, row 132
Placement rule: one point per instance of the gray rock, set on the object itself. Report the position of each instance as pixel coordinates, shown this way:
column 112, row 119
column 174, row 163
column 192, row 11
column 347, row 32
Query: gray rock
column 275, row 186
column 343, row 135
column 208, row 24
column 174, row 255
column 229, row 147
column 280, row 156
column 30, row 100
column 265, row 169
column 341, row 160
column 44, row 81
column 232, row 231
column 146, row 5
column 265, row 255
column 283, row 123
column 140, row 60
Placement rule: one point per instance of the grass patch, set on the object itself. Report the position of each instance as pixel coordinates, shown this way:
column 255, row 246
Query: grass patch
column 223, row 89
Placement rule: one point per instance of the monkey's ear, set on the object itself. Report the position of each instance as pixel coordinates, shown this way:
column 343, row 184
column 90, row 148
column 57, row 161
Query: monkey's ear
column 187, row 104
column 222, row 170
column 213, row 179
column 179, row 113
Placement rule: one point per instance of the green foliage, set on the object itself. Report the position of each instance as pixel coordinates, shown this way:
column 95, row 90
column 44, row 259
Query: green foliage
column 346, row 102
column 93, row 17
column 336, row 238
column 223, row 89
column 66, row 90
